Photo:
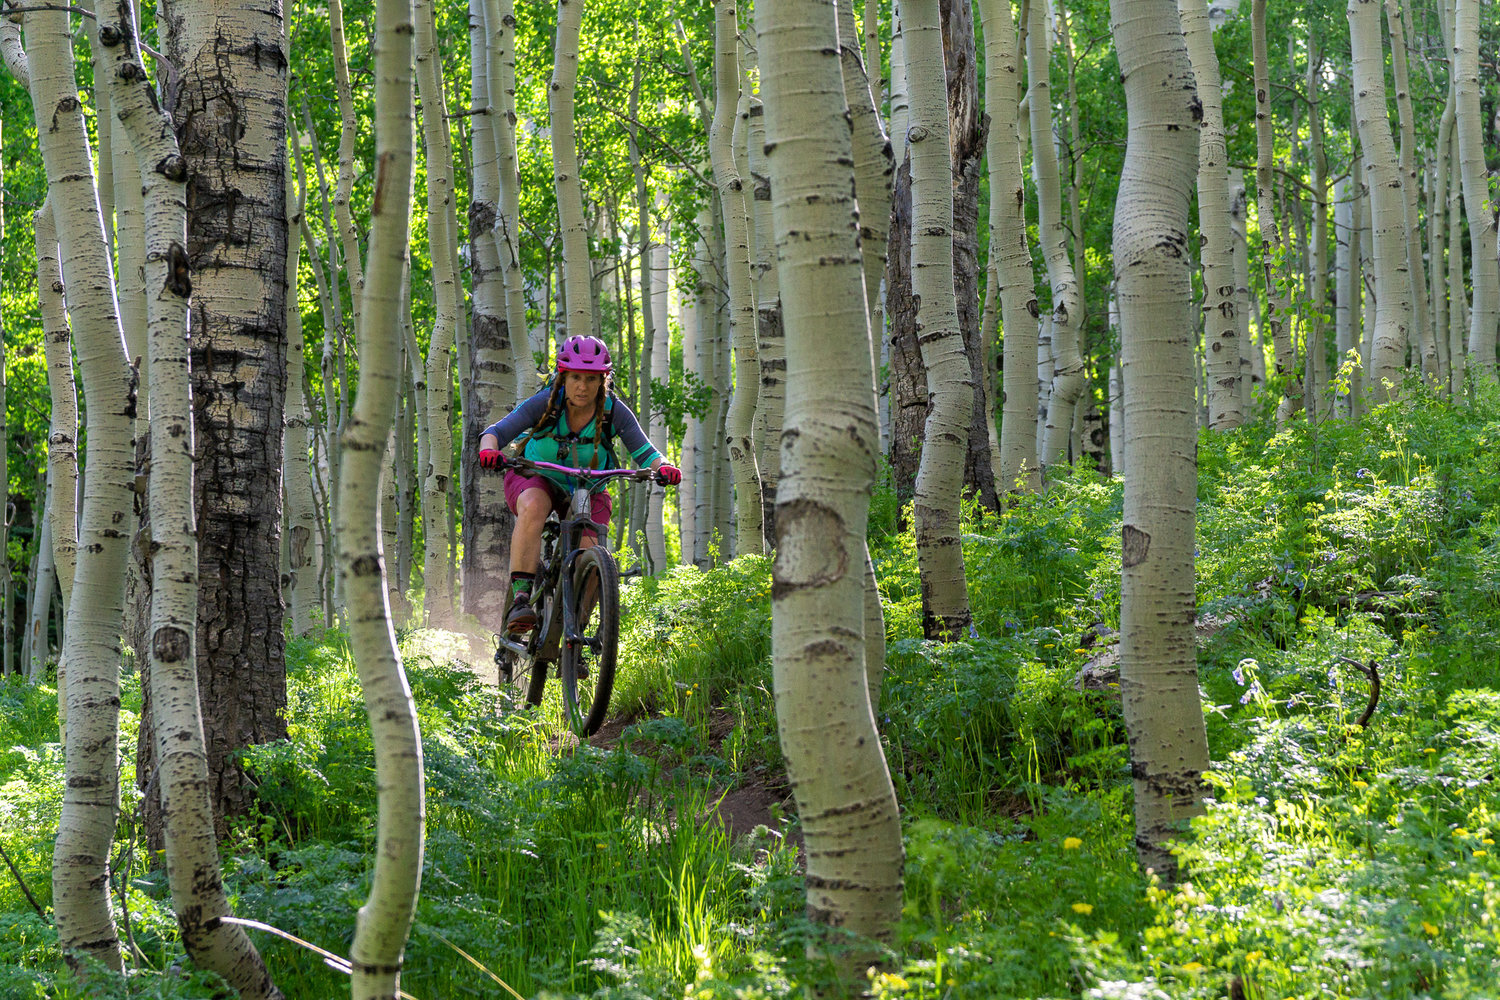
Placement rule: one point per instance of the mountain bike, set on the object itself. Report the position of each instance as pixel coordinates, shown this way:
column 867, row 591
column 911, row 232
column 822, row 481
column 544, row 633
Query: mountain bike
column 577, row 600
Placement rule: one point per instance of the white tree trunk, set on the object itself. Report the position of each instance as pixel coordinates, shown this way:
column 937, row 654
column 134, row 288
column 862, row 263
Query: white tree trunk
column 945, row 598
column 739, row 428
column 437, row 563
column 1158, row 662
column 300, row 512
column 1221, row 327
column 1052, row 233
column 384, row 921
column 80, row 867
column 62, row 433
column 1272, row 245
column 1485, row 316
column 1387, row 206
column 834, row 759
column 1010, row 251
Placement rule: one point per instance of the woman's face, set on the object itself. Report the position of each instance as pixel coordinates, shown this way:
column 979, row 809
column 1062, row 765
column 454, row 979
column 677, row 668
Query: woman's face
column 582, row 388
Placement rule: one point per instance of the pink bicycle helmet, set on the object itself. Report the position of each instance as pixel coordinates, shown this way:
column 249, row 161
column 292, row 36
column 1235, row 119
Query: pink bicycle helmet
column 584, row 354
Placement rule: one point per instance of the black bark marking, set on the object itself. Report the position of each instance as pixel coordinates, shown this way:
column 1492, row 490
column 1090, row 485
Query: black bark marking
column 170, row 645
column 1135, row 543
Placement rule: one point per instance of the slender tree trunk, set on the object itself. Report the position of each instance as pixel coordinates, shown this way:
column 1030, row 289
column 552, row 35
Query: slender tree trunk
column 1159, row 683
column 62, row 434
column 739, row 432
column 945, row 599
column 1392, row 279
column 851, row 823
column 1458, row 315
column 301, row 551
column 1421, row 319
column 1010, row 251
column 1272, row 247
column 1485, row 316
column 80, row 859
column 1346, row 276
column 1317, row 254
column 384, row 921
column 233, row 68
column 1052, row 234
column 770, row 336
column 1221, row 327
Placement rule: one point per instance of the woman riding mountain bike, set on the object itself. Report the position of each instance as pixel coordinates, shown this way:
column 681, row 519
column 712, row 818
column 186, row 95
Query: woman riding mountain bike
column 574, row 420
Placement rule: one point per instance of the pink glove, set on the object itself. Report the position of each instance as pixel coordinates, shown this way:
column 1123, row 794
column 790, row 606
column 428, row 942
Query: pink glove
column 670, row 474
column 491, row 458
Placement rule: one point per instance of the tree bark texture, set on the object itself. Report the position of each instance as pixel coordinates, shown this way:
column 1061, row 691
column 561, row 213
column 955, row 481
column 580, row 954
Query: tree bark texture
column 829, row 456
column 229, row 107
column 1158, row 660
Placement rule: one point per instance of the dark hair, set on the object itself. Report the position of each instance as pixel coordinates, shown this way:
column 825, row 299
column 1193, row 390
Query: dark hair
column 554, row 408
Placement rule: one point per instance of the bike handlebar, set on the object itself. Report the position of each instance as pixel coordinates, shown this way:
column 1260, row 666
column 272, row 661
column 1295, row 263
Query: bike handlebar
column 527, row 466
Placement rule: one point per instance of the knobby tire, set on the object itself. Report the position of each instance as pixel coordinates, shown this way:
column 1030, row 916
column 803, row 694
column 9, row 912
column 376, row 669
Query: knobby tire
column 586, row 698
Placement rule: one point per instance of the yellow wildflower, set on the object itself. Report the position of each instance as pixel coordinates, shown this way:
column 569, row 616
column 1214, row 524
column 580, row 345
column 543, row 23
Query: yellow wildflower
column 1072, row 843
column 1481, row 854
column 1083, row 908
column 1254, row 956
column 1360, row 784
column 1194, row 967
column 1460, row 832
column 1430, row 929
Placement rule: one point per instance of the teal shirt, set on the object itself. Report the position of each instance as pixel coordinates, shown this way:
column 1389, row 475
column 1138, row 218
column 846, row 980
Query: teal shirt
column 565, row 447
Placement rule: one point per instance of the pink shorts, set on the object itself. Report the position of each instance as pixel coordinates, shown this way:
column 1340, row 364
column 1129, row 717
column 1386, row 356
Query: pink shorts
column 601, row 504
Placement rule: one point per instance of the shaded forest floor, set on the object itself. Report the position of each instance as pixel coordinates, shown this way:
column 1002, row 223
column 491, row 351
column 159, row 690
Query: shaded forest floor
column 661, row 858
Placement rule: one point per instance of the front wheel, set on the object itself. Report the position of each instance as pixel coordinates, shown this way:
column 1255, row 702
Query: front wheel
column 588, row 653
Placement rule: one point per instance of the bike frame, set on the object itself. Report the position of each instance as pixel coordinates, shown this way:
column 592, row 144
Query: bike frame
column 543, row 641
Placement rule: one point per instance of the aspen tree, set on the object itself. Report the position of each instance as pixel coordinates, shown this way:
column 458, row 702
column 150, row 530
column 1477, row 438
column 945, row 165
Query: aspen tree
column 437, row 565
column 1010, row 250
column 1221, row 328
column 1272, row 245
column 739, row 426
column 692, row 457
column 1158, row 660
column 384, row 921
column 500, row 22
column 646, row 501
column 39, row 603
column 80, row 860
column 1252, row 357
column 1316, row 263
column 230, row 66
column 829, row 450
column 770, row 342
column 493, row 385
column 62, row 433
column 1052, row 233
column 1437, row 239
column 193, row 870
column 348, row 235
column 1388, row 226
column 1458, row 302
column 899, row 103
column 1421, row 319
column 1346, row 271
column 945, row 599
column 7, row 659
column 577, row 271
column 1480, row 206
column 301, row 551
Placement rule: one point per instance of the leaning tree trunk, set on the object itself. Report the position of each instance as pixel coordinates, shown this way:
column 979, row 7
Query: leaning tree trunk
column 384, row 921
column 1221, row 328
column 738, row 432
column 1485, row 315
column 1387, row 210
column 232, row 67
column 1158, row 664
column 939, row 481
column 830, row 448
column 62, row 432
column 80, row 858
column 194, row 873
column 1052, row 234
column 1010, row 252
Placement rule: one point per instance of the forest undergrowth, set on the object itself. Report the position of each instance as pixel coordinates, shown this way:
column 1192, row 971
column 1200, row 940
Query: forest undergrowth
column 1334, row 860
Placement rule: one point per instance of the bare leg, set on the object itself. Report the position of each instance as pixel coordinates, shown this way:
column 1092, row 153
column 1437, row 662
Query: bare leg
column 532, row 508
